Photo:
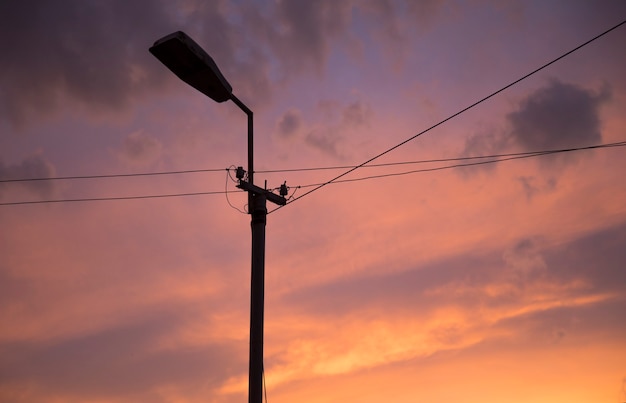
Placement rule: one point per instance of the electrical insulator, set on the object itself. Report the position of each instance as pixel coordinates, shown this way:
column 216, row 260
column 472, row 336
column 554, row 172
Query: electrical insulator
column 283, row 189
column 240, row 173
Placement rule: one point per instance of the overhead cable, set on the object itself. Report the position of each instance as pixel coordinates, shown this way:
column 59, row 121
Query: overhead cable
column 492, row 159
column 113, row 175
column 430, row 161
column 117, row 198
column 507, row 157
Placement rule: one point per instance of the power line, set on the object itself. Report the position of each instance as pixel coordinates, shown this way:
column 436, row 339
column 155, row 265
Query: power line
column 492, row 159
column 507, row 157
column 305, row 169
column 430, row 161
column 116, row 198
column 453, row 115
column 114, row 175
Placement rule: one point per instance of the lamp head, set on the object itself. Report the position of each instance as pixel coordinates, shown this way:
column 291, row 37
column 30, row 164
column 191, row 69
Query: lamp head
column 185, row 58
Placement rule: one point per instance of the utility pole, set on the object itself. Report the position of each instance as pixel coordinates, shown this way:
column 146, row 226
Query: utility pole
column 193, row 65
column 257, row 207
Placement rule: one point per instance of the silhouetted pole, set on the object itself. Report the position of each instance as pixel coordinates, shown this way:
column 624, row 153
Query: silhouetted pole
column 193, row 65
column 258, row 210
column 257, row 207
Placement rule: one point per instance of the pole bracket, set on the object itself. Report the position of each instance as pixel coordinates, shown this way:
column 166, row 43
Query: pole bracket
column 253, row 189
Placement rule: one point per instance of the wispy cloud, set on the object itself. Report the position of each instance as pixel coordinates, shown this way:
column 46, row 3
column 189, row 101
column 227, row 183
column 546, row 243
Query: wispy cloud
column 32, row 167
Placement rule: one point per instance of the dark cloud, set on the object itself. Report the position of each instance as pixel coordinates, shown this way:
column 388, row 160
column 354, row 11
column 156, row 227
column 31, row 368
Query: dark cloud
column 391, row 13
column 395, row 23
column 88, row 51
column 559, row 115
column 356, row 114
column 326, row 137
column 289, row 123
column 340, row 118
column 556, row 116
column 119, row 361
column 524, row 265
column 595, row 258
column 424, row 11
column 485, row 143
column 482, row 144
column 95, row 54
column 394, row 291
column 326, row 141
column 141, row 148
column 533, row 186
column 301, row 34
column 304, row 30
column 567, row 323
column 33, row 167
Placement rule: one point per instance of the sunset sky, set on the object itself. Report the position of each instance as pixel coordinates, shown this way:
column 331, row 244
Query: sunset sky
column 499, row 282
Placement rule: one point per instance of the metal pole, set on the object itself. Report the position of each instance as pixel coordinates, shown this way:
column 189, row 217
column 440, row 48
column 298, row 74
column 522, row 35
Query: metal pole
column 257, row 206
column 258, row 210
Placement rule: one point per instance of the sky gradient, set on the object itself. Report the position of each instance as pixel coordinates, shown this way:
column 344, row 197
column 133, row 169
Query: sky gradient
column 485, row 283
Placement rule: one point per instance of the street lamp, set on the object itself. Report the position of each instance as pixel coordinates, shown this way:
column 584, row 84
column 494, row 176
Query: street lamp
column 185, row 58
